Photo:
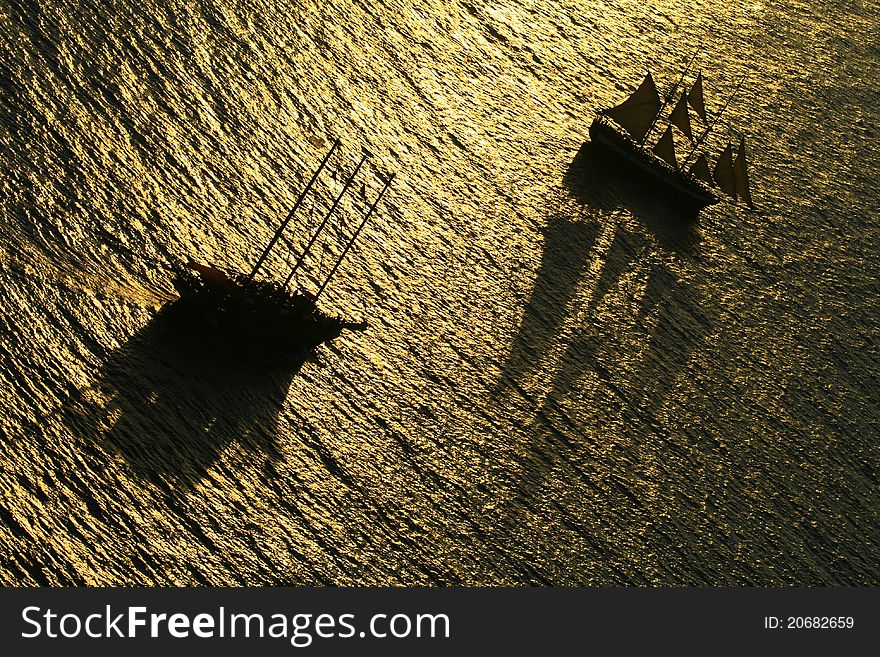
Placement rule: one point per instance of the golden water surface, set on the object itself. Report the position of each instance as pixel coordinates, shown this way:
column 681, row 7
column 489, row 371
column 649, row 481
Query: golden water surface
column 560, row 384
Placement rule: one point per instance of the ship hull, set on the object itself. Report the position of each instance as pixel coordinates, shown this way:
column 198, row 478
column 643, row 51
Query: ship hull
column 684, row 189
column 252, row 321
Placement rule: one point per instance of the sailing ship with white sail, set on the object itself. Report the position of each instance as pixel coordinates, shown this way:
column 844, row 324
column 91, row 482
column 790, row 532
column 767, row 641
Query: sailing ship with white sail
column 626, row 130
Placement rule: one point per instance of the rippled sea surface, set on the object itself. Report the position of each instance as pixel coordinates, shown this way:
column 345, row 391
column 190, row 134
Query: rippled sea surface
column 560, row 384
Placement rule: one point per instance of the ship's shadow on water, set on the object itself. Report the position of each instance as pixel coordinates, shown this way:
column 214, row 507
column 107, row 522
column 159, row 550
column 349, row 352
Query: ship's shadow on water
column 601, row 182
column 605, row 335
column 565, row 258
column 599, row 426
column 601, row 187
column 170, row 404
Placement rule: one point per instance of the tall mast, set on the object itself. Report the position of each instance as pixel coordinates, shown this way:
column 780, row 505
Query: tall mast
column 293, row 210
column 712, row 125
column 354, row 237
column 669, row 96
column 326, row 219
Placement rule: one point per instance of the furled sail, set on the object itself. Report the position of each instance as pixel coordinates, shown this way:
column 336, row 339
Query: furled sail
column 695, row 97
column 740, row 175
column 636, row 114
column 680, row 119
column 723, row 173
column 701, row 171
column 665, row 148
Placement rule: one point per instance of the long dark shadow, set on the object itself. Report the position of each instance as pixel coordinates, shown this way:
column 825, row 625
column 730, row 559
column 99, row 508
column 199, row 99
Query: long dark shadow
column 173, row 402
column 599, row 181
column 567, row 247
column 623, row 394
column 599, row 379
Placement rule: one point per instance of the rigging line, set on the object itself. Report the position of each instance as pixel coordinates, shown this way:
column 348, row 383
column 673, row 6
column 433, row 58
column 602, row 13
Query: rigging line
column 324, row 249
column 289, row 243
column 669, row 96
column 326, row 218
column 354, row 237
column 709, row 128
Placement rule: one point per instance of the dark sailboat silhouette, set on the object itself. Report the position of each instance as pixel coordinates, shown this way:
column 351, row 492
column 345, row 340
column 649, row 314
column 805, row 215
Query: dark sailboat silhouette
column 625, row 130
column 266, row 320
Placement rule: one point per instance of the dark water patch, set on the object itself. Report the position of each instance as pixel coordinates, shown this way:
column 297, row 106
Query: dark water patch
column 625, row 248
column 176, row 402
column 566, row 253
column 601, row 182
column 558, row 444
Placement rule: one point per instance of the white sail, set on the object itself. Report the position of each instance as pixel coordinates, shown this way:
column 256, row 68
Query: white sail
column 637, row 113
column 695, row 97
column 701, row 170
column 723, row 173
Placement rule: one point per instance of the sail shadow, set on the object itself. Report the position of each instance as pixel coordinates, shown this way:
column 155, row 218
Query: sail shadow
column 566, row 255
column 600, row 425
column 602, row 181
column 668, row 323
column 170, row 403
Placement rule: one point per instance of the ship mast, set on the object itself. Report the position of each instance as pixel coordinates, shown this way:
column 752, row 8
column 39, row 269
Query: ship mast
column 354, row 237
column 293, row 210
column 709, row 128
column 669, row 96
column 326, row 219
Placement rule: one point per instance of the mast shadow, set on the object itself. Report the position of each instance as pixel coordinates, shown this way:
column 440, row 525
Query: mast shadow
column 606, row 336
column 567, row 247
column 596, row 424
column 170, row 403
column 670, row 323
